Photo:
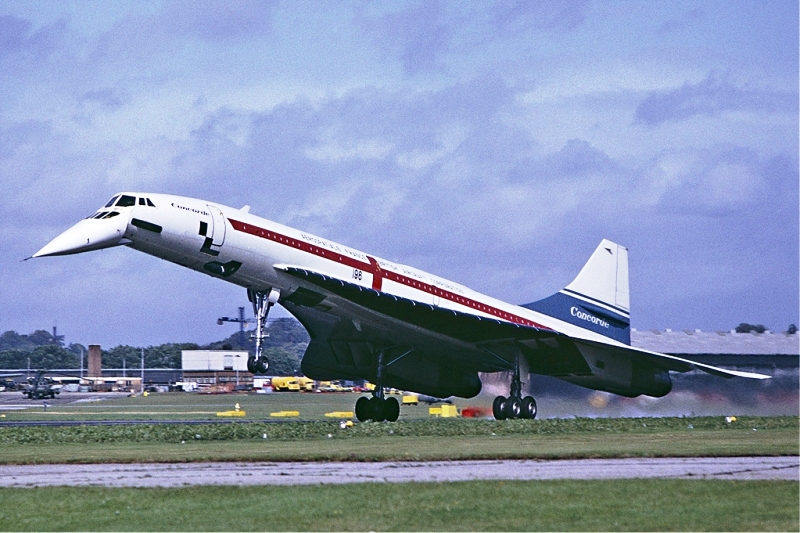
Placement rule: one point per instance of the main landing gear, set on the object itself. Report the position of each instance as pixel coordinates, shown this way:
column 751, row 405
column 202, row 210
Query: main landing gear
column 514, row 406
column 379, row 407
column 262, row 303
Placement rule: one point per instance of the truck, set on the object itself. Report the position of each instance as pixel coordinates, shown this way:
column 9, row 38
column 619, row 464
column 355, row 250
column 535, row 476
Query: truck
column 306, row 384
column 285, row 383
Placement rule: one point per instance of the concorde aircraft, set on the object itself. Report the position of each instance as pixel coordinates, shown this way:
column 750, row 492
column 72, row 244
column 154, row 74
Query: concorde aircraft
column 392, row 324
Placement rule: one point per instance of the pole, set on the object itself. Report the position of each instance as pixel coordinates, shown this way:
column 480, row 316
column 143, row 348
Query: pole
column 241, row 328
column 81, row 362
column 142, row 370
column 236, row 361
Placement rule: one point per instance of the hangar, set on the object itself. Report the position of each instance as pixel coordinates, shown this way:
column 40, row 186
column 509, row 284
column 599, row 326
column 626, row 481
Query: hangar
column 216, row 368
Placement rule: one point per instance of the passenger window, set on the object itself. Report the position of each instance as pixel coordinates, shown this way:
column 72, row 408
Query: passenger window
column 126, row 201
column 111, row 202
column 141, row 201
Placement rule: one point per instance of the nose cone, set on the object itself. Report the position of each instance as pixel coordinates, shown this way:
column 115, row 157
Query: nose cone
column 86, row 235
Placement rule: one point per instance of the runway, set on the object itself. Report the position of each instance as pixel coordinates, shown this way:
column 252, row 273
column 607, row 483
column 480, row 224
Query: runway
column 305, row 473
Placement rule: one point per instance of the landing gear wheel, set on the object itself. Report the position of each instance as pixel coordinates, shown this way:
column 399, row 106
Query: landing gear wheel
column 528, row 408
column 251, row 364
column 513, row 407
column 262, row 365
column 391, row 409
column 363, row 409
column 377, row 409
column 499, row 408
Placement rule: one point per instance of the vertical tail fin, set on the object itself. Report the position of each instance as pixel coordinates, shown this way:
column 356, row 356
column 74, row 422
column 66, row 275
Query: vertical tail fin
column 598, row 298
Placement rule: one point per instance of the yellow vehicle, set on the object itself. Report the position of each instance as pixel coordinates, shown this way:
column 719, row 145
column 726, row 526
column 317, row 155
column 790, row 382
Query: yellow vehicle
column 410, row 399
column 306, row 384
column 330, row 386
column 285, row 383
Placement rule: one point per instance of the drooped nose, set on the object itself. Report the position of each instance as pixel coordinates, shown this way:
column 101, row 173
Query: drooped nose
column 88, row 234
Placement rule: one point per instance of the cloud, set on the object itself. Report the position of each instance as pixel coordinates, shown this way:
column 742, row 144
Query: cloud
column 20, row 44
column 553, row 15
column 108, row 99
column 418, row 34
column 492, row 144
column 723, row 180
column 710, row 97
column 218, row 20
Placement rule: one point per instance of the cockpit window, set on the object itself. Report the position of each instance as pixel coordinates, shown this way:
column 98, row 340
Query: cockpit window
column 126, row 201
column 111, row 202
column 104, row 214
column 151, row 204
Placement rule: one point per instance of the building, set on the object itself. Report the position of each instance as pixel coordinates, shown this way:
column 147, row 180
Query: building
column 215, row 368
column 724, row 348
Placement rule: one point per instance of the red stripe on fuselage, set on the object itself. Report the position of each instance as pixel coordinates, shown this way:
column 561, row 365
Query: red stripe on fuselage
column 378, row 274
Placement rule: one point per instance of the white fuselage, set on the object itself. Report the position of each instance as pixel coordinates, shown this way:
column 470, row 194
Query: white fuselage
column 206, row 236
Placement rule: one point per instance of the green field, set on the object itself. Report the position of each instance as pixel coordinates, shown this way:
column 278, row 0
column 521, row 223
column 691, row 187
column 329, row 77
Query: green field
column 644, row 505
column 196, row 406
column 631, row 505
column 416, row 436
column 440, row 439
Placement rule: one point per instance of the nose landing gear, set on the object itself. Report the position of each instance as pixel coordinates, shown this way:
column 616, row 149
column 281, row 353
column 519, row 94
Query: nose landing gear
column 262, row 303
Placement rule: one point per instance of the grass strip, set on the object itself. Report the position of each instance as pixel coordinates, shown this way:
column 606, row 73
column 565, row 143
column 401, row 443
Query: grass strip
column 629, row 505
column 414, row 428
column 439, row 440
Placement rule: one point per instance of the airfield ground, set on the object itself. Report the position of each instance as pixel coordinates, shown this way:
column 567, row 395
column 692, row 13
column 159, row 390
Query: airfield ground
column 660, row 504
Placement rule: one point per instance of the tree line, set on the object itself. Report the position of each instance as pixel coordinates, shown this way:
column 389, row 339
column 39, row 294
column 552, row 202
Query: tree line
column 285, row 347
column 40, row 350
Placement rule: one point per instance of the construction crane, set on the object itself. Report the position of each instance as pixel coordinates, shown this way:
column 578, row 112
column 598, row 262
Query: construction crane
column 242, row 321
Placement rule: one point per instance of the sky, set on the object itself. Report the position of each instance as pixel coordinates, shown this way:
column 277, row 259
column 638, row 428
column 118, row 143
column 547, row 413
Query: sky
column 491, row 143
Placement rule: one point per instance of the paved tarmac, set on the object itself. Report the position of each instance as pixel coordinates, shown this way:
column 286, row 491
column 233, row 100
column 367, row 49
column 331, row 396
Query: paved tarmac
column 187, row 474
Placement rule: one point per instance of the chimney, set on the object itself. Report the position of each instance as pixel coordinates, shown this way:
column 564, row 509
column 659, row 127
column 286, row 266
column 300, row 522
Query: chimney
column 95, row 361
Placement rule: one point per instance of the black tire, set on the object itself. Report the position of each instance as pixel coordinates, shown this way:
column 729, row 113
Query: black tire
column 377, row 409
column 391, row 409
column 499, row 408
column 513, row 407
column 528, row 408
column 251, row 364
column 362, row 409
column 262, row 365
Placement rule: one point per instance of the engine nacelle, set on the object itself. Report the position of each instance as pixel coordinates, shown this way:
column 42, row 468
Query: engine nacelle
column 650, row 381
column 414, row 372
column 618, row 373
